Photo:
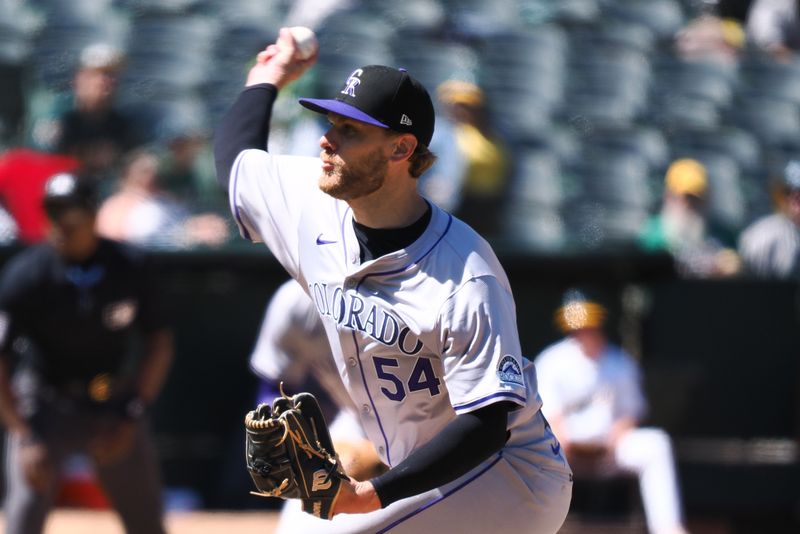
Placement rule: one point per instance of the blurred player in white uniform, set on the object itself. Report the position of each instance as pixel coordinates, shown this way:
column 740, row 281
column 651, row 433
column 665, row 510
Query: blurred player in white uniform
column 292, row 346
column 417, row 309
column 594, row 401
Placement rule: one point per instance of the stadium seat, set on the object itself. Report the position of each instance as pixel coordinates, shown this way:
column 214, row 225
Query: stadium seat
column 160, row 6
column 478, row 18
column 523, row 74
column 19, row 25
column 709, row 81
column 348, row 40
column 726, row 140
column 645, row 141
column 412, row 15
column 679, row 111
column 575, row 11
column 605, row 35
column 68, row 28
column 592, row 109
column 160, row 66
column 155, row 117
column 534, row 227
column 562, row 141
column 442, row 61
column 663, row 17
column 771, row 120
column 537, row 179
column 608, row 78
column 592, row 224
column 616, row 177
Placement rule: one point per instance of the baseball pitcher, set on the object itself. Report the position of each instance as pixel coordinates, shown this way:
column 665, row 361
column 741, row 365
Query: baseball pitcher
column 416, row 307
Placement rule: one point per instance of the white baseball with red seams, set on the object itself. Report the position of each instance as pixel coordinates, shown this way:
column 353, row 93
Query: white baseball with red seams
column 305, row 40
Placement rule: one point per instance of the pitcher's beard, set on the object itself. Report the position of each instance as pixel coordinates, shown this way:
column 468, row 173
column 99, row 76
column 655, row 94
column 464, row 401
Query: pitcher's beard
column 351, row 181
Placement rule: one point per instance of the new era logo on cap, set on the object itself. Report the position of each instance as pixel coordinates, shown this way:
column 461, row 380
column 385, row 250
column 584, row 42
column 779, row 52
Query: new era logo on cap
column 384, row 97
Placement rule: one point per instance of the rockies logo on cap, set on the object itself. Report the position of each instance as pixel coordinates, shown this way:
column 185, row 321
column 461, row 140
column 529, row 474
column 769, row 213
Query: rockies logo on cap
column 382, row 96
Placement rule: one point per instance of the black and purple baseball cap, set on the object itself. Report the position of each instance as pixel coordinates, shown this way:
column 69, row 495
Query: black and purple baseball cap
column 384, row 97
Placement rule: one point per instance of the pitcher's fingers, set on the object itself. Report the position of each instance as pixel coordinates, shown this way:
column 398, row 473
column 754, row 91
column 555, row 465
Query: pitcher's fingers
column 286, row 42
column 268, row 53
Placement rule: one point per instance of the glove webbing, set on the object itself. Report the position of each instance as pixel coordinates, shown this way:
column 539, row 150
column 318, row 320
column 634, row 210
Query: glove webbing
column 274, row 493
column 260, row 424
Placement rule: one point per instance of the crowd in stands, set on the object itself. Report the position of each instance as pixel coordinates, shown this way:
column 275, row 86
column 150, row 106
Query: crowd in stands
column 659, row 125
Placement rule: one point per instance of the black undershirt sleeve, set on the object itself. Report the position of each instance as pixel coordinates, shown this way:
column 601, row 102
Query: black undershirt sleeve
column 245, row 125
column 464, row 443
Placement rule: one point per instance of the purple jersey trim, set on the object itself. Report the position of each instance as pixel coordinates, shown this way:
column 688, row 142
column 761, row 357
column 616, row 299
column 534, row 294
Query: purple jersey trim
column 411, row 264
column 355, row 340
column 238, row 217
column 344, row 239
column 502, row 394
column 440, row 499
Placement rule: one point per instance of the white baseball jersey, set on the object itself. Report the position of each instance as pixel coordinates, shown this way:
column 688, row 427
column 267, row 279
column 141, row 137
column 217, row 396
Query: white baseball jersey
column 418, row 335
column 589, row 394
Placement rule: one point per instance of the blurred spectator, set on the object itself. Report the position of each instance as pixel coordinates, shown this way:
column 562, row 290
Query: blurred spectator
column 93, row 131
column 593, row 399
column 142, row 212
column 476, row 192
column 186, row 170
column 23, row 173
column 699, row 245
column 774, row 26
column 711, row 38
column 770, row 247
column 70, row 309
column 292, row 345
column 92, row 137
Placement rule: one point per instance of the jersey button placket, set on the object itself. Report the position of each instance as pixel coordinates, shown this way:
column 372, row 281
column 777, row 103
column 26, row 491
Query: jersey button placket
column 351, row 362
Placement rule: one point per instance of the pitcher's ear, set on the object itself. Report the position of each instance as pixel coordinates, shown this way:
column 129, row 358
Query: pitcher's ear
column 404, row 147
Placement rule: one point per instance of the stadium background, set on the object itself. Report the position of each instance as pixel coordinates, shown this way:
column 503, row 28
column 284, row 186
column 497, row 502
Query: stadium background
column 596, row 102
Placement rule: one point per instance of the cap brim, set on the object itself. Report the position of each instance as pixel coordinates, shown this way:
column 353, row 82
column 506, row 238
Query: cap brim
column 340, row 108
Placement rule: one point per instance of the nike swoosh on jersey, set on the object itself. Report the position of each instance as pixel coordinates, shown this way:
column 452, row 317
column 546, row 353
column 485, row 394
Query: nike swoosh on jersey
column 556, row 448
column 321, row 241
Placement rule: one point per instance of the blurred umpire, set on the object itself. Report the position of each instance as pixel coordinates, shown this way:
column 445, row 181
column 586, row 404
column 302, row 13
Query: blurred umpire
column 78, row 310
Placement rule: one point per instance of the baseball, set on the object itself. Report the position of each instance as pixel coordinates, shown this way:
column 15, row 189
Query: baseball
column 305, row 40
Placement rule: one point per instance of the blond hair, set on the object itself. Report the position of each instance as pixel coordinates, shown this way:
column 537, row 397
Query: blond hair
column 420, row 161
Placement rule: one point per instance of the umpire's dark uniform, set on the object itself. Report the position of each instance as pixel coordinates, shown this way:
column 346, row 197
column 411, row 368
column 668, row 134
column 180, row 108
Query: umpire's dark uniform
column 73, row 309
